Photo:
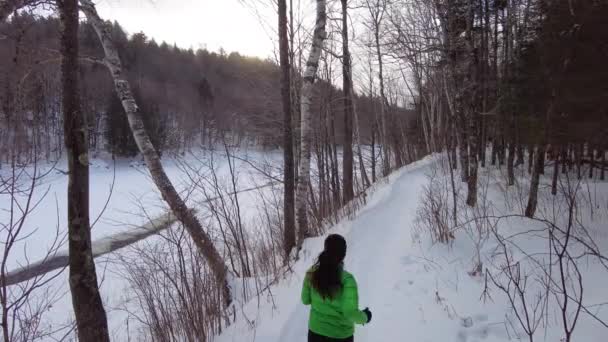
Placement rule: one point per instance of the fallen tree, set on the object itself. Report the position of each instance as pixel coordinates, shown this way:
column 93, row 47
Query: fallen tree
column 105, row 245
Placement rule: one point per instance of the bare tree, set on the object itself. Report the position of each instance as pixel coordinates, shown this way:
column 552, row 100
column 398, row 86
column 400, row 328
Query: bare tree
column 90, row 315
column 23, row 308
column 377, row 10
column 347, row 157
column 289, row 224
column 160, row 178
column 309, row 77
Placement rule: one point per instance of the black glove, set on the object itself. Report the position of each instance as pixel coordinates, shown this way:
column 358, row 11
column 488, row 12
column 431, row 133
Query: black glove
column 368, row 314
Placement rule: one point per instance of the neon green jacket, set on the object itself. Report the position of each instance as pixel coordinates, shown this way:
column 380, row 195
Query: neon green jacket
column 334, row 317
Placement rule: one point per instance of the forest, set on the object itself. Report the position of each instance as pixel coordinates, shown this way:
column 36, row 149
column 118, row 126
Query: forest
column 502, row 103
column 190, row 98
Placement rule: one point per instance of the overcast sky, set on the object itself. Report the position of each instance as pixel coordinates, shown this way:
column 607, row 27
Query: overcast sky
column 207, row 24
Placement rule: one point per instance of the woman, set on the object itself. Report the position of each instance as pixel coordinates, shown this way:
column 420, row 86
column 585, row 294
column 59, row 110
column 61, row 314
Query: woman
column 332, row 294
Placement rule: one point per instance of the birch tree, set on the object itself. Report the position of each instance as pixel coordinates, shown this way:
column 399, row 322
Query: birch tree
column 151, row 157
column 310, row 74
column 91, row 321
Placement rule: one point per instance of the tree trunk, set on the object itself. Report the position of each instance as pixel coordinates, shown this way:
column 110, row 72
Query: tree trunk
column 151, row 157
column 452, row 162
column 564, row 159
column 603, row 164
column 337, row 193
column 310, row 73
column 289, row 223
column 501, row 152
column 520, row 154
column 555, row 173
column 454, row 157
column 386, row 162
column 471, row 95
column 510, row 164
column 91, row 321
column 533, row 196
column 473, row 162
column 347, row 156
column 494, row 150
column 540, row 164
column 571, row 157
column 373, row 142
column 530, row 158
column 591, row 155
column 579, row 161
column 464, row 154
column 362, row 170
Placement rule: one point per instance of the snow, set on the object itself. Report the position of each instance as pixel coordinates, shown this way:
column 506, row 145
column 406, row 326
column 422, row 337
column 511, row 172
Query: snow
column 417, row 290
column 124, row 198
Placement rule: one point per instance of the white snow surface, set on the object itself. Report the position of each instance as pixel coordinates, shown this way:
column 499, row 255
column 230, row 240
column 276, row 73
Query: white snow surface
column 417, row 291
column 132, row 201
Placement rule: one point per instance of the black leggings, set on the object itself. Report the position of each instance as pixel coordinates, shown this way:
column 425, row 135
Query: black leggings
column 312, row 337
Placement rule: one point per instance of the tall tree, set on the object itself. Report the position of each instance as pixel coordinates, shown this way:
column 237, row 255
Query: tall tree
column 377, row 9
column 151, row 156
column 469, row 99
column 310, row 74
column 289, row 223
column 347, row 162
column 91, row 321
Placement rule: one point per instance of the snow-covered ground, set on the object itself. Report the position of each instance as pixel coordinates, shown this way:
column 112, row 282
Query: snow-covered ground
column 122, row 196
column 417, row 290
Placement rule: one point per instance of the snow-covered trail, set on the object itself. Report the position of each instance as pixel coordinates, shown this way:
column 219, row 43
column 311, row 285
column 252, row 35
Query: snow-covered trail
column 376, row 239
column 417, row 290
column 409, row 298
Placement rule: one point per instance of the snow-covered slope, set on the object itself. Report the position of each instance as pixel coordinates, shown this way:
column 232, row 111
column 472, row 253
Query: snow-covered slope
column 417, row 291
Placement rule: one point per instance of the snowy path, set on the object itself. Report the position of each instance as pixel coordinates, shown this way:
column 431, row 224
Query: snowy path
column 417, row 291
column 378, row 241
column 400, row 286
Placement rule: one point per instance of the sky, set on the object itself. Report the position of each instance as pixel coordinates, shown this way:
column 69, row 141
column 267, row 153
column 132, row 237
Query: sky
column 210, row 24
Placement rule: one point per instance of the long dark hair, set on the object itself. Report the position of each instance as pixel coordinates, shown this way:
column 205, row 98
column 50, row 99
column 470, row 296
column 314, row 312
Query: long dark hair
column 326, row 276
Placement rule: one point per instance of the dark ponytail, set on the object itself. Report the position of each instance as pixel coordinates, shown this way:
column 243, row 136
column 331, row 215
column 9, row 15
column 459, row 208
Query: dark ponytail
column 327, row 273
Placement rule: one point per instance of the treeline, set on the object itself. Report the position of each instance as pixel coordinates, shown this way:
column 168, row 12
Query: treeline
column 188, row 97
column 522, row 76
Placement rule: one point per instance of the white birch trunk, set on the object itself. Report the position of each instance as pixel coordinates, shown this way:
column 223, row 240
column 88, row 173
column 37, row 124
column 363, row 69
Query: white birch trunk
column 310, row 73
column 151, row 157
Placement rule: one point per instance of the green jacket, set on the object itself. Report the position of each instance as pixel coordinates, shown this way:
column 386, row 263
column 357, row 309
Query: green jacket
column 334, row 317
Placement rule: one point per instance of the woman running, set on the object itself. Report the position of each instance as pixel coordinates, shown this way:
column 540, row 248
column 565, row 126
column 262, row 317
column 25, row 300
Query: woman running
column 332, row 294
